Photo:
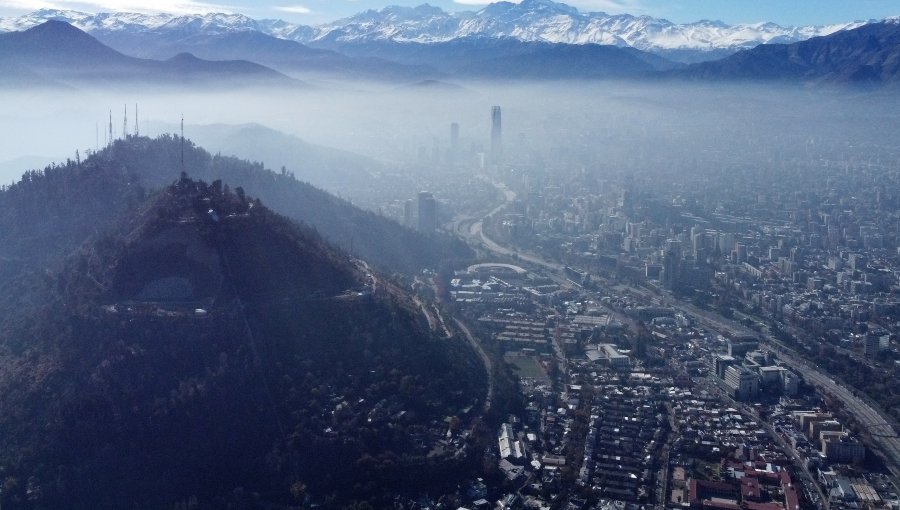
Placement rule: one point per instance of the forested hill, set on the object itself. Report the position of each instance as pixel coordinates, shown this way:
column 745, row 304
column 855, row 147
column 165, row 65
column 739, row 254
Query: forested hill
column 205, row 352
column 374, row 238
column 50, row 211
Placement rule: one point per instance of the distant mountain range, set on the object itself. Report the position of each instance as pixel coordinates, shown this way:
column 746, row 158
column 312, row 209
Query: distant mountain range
column 868, row 55
column 55, row 53
column 226, row 50
column 530, row 20
column 58, row 51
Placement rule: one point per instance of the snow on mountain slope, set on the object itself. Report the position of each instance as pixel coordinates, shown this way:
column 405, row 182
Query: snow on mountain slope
column 545, row 20
column 530, row 20
column 124, row 21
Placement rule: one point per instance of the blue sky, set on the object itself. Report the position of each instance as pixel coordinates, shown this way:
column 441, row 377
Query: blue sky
column 785, row 12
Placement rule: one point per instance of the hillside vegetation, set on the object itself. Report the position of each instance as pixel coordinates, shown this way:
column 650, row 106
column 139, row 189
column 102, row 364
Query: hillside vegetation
column 191, row 348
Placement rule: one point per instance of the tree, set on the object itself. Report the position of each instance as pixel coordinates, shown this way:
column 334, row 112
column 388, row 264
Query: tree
column 298, row 491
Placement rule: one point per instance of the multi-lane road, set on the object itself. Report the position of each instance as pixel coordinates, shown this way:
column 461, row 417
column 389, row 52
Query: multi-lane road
column 884, row 440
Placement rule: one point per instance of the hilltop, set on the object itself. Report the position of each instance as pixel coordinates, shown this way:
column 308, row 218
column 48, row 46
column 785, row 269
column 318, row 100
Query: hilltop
column 36, row 214
column 201, row 350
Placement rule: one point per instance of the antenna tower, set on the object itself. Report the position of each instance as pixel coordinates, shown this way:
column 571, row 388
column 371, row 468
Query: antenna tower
column 125, row 124
column 182, row 142
column 110, row 127
column 137, row 127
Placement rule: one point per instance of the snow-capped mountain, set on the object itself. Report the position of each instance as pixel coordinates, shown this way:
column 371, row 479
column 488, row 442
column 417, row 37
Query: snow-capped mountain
column 548, row 21
column 210, row 24
column 530, row 20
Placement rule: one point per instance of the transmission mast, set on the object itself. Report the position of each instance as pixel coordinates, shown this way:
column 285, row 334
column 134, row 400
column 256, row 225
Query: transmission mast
column 125, row 124
column 137, row 127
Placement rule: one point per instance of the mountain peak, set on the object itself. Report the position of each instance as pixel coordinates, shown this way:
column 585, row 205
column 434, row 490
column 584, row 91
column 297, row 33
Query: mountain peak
column 54, row 26
column 184, row 57
column 548, row 5
column 527, row 20
column 212, row 22
column 402, row 12
column 61, row 14
column 62, row 52
column 54, row 38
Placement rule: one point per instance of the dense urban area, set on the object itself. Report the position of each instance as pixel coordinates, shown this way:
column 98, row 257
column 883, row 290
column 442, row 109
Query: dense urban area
column 727, row 345
column 509, row 255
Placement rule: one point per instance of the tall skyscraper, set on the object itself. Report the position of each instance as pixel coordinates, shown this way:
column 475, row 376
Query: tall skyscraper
column 496, row 136
column 427, row 212
column 408, row 214
column 671, row 263
column 454, row 137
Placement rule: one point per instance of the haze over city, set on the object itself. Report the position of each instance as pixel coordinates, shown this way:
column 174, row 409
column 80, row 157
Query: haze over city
column 600, row 255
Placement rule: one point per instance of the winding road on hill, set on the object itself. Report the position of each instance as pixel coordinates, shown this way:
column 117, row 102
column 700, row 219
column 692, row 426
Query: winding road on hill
column 485, row 359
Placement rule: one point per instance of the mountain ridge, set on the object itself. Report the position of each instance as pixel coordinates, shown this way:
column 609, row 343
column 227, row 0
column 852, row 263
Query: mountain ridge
column 530, row 20
column 867, row 55
column 154, row 163
column 60, row 52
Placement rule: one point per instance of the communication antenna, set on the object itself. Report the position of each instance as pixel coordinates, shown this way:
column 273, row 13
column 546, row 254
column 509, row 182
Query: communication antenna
column 182, row 142
column 110, row 127
column 137, row 127
column 125, row 124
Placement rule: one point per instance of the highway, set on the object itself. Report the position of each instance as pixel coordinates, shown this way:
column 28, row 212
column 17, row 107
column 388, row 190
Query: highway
column 472, row 229
column 886, row 444
column 485, row 359
column 884, row 440
column 883, row 436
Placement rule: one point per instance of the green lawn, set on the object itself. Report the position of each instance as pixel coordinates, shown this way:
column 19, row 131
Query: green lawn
column 526, row 367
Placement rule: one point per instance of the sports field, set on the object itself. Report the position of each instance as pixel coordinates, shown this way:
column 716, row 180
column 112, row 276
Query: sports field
column 526, row 367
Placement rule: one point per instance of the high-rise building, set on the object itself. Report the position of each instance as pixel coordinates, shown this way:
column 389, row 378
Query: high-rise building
column 496, row 136
column 743, row 383
column 408, row 214
column 671, row 262
column 454, row 137
column 740, row 253
column 871, row 345
column 453, row 151
column 427, row 212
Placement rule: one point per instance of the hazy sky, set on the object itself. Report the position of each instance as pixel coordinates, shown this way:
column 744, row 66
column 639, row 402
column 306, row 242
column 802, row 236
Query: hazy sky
column 785, row 12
